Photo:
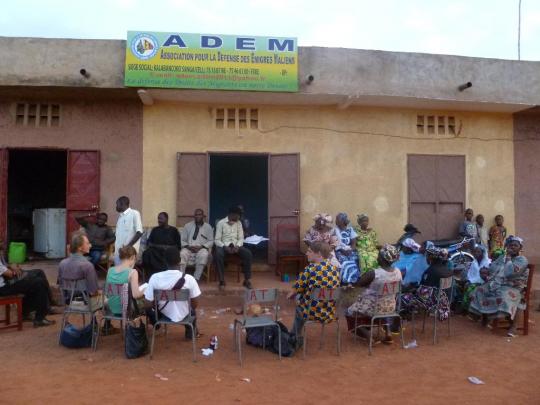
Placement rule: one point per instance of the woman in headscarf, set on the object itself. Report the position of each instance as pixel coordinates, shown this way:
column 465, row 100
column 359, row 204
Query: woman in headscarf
column 323, row 231
column 410, row 253
column 502, row 293
column 473, row 278
column 425, row 296
column 346, row 250
column 367, row 244
column 367, row 303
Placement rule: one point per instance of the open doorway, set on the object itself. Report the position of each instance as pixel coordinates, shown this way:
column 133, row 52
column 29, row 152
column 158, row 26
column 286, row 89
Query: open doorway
column 241, row 180
column 36, row 180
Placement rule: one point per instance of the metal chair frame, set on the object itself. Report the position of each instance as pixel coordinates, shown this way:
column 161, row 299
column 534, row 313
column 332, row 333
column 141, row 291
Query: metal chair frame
column 383, row 291
column 181, row 295
column 446, row 283
column 111, row 290
column 326, row 295
column 77, row 289
column 254, row 296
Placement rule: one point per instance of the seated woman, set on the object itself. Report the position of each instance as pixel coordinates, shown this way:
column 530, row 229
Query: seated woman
column 425, row 296
column 408, row 256
column 473, row 278
column 367, row 244
column 161, row 238
column 502, row 293
column 346, row 250
column 123, row 274
column 321, row 231
column 367, row 304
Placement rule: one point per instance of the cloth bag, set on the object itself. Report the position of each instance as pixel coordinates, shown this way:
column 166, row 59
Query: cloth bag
column 76, row 338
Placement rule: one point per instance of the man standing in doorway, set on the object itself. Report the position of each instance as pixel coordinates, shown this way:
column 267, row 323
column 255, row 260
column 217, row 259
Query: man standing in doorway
column 229, row 240
column 197, row 241
column 128, row 227
column 99, row 234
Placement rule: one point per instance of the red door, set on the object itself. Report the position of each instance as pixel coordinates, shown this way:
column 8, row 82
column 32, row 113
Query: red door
column 192, row 186
column 83, row 186
column 4, row 158
column 283, row 195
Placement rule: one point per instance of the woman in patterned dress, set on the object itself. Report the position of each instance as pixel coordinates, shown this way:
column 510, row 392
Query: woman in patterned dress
column 322, row 231
column 502, row 293
column 367, row 303
column 366, row 244
column 346, row 250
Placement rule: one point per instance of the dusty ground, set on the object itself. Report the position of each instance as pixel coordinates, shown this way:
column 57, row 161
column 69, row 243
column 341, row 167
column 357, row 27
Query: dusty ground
column 37, row 370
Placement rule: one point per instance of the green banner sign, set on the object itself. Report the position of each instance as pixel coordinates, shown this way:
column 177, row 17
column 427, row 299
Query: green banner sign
column 219, row 62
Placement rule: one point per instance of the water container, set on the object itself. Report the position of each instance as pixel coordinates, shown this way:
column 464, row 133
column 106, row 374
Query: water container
column 17, row 252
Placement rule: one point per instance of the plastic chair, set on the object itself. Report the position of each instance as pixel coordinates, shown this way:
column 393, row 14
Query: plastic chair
column 79, row 302
column 444, row 285
column 326, row 295
column 384, row 291
column 288, row 247
column 111, row 290
column 181, row 295
column 255, row 296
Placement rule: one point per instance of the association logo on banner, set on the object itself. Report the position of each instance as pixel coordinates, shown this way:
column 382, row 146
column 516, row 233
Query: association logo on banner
column 144, row 46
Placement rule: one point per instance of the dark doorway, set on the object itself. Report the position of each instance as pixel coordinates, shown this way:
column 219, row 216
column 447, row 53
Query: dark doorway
column 36, row 179
column 241, row 179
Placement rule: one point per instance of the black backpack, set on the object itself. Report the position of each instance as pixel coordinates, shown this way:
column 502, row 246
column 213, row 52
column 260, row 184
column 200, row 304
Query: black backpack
column 256, row 337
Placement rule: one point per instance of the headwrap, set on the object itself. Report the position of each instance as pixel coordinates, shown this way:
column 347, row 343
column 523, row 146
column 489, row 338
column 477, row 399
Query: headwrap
column 410, row 228
column 438, row 253
column 342, row 216
column 513, row 238
column 324, row 216
column 362, row 216
column 411, row 244
column 389, row 253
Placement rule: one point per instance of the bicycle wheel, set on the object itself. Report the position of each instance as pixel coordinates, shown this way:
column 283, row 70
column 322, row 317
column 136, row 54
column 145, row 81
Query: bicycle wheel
column 461, row 262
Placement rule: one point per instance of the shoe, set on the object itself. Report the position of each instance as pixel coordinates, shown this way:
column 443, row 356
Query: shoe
column 387, row 340
column 221, row 285
column 43, row 322
column 247, row 284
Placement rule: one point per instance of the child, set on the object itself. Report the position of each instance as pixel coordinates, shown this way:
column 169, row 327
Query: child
column 482, row 230
column 319, row 273
column 497, row 235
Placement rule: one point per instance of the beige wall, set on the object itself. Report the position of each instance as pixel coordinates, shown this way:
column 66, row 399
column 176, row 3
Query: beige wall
column 352, row 160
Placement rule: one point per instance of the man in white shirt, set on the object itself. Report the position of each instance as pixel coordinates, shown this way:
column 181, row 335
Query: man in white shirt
column 129, row 227
column 166, row 280
column 229, row 240
column 197, row 241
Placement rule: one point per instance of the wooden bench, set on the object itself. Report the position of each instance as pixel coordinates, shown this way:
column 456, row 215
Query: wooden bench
column 8, row 301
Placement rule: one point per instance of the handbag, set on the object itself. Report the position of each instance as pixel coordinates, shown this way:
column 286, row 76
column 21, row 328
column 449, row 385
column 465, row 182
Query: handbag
column 76, row 338
column 136, row 341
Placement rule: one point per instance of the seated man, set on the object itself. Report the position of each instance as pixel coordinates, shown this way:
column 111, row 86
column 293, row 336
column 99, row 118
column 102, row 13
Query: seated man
column 197, row 241
column 161, row 238
column 32, row 284
column 229, row 240
column 319, row 273
column 99, row 234
column 77, row 267
column 166, row 280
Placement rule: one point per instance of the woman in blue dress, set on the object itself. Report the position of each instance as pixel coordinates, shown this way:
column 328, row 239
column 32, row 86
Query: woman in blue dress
column 346, row 252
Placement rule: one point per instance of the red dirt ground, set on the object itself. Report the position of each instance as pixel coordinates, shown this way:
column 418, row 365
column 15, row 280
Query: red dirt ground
column 37, row 370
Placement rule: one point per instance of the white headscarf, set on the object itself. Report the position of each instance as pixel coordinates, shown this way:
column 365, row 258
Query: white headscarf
column 473, row 275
